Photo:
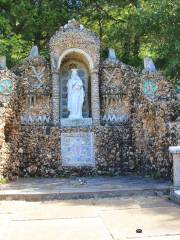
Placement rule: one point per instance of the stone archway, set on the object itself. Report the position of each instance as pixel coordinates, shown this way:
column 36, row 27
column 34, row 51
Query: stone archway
column 85, row 56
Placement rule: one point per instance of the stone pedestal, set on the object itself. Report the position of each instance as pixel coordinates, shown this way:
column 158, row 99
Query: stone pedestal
column 175, row 192
column 176, row 165
column 71, row 123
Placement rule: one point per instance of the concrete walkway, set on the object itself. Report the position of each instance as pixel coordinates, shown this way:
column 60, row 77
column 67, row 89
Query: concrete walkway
column 92, row 219
column 74, row 188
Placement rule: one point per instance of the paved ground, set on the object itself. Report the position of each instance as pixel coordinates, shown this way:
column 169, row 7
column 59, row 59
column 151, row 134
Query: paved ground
column 95, row 219
column 55, row 188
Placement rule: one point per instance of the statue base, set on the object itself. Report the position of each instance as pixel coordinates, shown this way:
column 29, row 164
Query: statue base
column 68, row 123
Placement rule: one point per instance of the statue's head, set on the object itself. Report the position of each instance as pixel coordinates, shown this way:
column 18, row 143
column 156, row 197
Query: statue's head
column 74, row 71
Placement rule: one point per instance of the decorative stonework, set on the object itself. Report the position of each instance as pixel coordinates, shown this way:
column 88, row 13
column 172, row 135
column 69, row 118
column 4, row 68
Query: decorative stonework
column 74, row 36
column 129, row 119
column 117, row 80
column 6, row 86
column 74, row 42
column 36, row 91
column 150, row 88
column 9, row 107
column 35, row 119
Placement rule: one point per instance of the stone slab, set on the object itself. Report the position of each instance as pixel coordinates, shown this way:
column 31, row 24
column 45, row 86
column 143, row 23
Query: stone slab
column 107, row 219
column 156, row 223
column 68, row 123
column 64, row 229
column 83, row 188
column 77, row 149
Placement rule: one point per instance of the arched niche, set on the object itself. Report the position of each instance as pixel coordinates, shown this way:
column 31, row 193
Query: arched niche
column 70, row 61
column 77, row 53
column 75, row 58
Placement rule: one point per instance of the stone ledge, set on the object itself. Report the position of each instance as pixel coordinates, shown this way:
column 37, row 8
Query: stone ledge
column 68, row 123
column 44, row 189
column 175, row 149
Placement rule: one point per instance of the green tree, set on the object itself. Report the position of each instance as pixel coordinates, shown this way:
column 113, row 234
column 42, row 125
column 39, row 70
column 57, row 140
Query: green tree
column 138, row 28
column 135, row 28
column 25, row 23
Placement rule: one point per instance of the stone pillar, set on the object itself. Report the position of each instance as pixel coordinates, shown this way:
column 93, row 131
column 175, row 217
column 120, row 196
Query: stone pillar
column 95, row 102
column 176, row 166
column 55, row 97
column 2, row 142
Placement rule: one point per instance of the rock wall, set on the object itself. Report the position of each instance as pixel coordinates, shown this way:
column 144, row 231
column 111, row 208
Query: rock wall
column 9, row 109
column 39, row 152
column 136, row 144
column 155, row 110
column 138, row 114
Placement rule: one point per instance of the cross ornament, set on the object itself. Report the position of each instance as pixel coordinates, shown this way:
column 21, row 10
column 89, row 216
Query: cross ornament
column 109, row 76
column 39, row 74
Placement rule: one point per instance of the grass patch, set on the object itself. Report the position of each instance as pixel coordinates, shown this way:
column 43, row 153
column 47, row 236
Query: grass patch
column 3, row 180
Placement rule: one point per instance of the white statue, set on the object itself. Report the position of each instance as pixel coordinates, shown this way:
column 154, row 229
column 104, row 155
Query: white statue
column 149, row 65
column 75, row 95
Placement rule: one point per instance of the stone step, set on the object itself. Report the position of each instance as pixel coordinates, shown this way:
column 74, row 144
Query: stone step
column 82, row 188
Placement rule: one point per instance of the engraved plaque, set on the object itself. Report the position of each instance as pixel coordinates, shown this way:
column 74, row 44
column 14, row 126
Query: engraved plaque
column 77, row 149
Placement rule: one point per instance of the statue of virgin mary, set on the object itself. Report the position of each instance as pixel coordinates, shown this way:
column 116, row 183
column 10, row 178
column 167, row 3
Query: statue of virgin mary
column 75, row 95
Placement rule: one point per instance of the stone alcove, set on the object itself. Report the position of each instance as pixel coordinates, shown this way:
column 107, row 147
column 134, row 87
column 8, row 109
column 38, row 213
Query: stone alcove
column 70, row 61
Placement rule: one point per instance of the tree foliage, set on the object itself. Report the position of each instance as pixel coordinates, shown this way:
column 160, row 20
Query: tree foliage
column 135, row 28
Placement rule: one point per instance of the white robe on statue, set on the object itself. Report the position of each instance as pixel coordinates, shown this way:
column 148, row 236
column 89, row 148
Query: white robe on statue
column 75, row 95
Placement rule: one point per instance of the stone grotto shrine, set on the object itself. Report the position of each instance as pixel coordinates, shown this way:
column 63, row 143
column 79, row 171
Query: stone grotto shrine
column 77, row 114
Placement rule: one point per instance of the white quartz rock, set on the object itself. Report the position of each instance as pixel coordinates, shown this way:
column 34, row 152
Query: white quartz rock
column 34, row 52
column 149, row 65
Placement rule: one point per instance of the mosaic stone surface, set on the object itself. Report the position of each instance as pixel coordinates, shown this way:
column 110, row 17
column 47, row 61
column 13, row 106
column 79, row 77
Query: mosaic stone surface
column 150, row 88
column 77, row 149
column 6, row 86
